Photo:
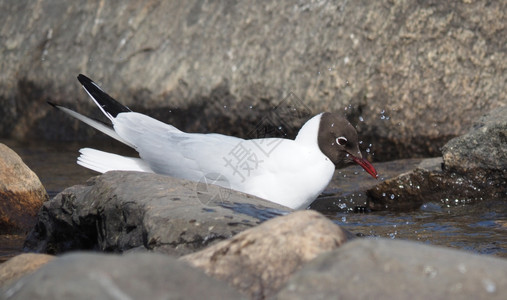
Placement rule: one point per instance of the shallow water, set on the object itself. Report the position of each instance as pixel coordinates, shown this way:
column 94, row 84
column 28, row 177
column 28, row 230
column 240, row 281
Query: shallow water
column 480, row 227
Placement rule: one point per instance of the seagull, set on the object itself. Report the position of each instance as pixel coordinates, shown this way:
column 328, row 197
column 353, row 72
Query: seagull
column 288, row 172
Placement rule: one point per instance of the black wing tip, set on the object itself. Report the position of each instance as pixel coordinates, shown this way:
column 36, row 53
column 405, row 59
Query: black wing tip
column 83, row 79
column 52, row 104
column 106, row 102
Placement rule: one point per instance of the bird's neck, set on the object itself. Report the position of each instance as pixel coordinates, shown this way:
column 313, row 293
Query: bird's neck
column 308, row 134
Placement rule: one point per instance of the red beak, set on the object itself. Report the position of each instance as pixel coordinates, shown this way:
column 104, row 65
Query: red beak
column 367, row 166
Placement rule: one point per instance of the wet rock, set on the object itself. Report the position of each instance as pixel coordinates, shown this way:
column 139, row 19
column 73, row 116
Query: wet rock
column 119, row 211
column 391, row 269
column 473, row 168
column 21, row 265
column 131, row 276
column 258, row 261
column 481, row 154
column 21, row 193
column 410, row 69
column 347, row 190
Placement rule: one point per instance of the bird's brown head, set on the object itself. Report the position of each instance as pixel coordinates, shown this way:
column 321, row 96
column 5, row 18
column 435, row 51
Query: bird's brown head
column 338, row 140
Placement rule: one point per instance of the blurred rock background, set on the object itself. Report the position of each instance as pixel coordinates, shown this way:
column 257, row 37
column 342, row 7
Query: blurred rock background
column 410, row 74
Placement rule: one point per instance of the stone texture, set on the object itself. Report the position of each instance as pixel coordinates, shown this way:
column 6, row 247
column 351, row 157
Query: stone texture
column 392, row 269
column 473, row 168
column 259, row 260
column 481, row 153
column 416, row 72
column 21, row 193
column 21, row 265
column 132, row 276
column 119, row 211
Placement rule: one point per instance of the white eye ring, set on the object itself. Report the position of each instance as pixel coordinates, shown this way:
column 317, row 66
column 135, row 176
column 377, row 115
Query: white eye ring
column 341, row 140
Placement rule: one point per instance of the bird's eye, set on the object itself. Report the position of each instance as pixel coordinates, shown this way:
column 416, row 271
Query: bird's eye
column 341, row 140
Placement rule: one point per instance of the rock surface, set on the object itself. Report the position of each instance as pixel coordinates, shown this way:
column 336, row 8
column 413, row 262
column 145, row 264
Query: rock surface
column 473, row 168
column 21, row 265
column 391, row 269
column 416, row 72
column 21, row 193
column 132, row 276
column 119, row 211
column 481, row 153
column 259, row 260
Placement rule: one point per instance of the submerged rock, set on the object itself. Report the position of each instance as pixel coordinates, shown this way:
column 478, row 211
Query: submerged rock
column 391, row 269
column 119, row 211
column 473, row 168
column 131, row 276
column 259, row 260
column 21, row 193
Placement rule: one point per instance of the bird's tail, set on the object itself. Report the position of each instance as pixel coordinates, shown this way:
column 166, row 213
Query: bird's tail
column 102, row 162
column 110, row 107
column 93, row 123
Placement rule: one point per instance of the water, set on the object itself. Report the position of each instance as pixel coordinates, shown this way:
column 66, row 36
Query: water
column 480, row 228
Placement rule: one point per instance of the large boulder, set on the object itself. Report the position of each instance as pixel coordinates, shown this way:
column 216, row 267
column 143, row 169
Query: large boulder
column 132, row 276
column 21, row 193
column 412, row 74
column 392, row 269
column 258, row 261
column 119, row 211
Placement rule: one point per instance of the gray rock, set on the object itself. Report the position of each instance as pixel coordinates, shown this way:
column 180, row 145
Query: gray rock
column 391, row 269
column 21, row 193
column 481, row 153
column 259, row 260
column 132, row 276
column 119, row 211
column 417, row 72
column 473, row 168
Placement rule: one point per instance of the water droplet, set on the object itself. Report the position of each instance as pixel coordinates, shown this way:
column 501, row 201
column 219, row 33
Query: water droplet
column 430, row 271
column 489, row 285
column 361, row 119
column 392, row 197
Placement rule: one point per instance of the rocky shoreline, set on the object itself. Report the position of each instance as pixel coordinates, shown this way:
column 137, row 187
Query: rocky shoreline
column 161, row 230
